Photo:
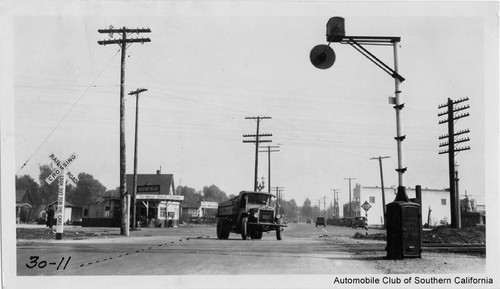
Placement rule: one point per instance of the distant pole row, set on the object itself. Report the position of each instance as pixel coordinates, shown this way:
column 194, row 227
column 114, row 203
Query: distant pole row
column 269, row 150
column 350, row 201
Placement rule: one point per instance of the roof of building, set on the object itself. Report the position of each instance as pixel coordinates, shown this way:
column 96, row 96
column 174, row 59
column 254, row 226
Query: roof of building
column 23, row 196
column 165, row 181
column 66, row 204
column 187, row 206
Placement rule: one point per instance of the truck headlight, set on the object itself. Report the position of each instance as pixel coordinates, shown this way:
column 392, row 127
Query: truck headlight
column 278, row 216
column 256, row 215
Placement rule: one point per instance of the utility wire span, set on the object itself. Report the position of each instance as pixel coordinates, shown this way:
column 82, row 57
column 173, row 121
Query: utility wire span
column 68, row 112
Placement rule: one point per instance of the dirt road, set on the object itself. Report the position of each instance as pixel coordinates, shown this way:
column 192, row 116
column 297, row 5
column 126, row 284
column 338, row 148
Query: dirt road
column 305, row 249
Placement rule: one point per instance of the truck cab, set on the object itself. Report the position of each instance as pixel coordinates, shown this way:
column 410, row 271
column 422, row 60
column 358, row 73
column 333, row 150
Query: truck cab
column 249, row 214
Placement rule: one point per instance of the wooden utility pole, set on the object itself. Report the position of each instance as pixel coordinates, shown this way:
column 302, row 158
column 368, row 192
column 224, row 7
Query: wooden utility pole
column 452, row 150
column 279, row 197
column 324, row 206
column 257, row 140
column 336, row 213
column 379, row 158
column 350, row 202
column 269, row 151
column 134, row 195
column 122, row 42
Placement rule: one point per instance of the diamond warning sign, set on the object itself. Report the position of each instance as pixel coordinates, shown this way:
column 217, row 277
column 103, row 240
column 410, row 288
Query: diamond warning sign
column 366, row 206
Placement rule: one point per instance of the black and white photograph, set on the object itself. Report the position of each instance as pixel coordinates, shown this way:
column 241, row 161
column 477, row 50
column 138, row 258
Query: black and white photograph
column 249, row 144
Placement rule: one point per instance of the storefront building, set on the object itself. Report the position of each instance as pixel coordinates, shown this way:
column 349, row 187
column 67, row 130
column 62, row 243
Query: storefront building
column 156, row 203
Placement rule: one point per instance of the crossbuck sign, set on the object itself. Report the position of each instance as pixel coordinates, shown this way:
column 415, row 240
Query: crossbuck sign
column 60, row 173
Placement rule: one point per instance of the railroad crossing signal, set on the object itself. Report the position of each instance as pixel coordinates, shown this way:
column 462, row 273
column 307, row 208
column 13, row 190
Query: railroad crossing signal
column 61, row 166
column 60, row 174
column 366, row 206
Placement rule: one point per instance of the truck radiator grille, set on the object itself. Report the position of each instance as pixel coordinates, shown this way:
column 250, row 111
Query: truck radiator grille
column 266, row 216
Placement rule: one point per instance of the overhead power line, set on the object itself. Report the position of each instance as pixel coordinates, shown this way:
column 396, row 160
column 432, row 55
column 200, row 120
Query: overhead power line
column 92, row 84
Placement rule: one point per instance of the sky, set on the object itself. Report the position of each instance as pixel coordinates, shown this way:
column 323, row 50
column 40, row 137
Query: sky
column 211, row 64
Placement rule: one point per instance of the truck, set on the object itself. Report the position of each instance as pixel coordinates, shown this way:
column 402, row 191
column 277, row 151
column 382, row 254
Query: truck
column 249, row 214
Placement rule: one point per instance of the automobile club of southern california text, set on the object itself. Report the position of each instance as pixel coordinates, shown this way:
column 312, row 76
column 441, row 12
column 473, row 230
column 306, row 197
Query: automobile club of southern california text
column 410, row 280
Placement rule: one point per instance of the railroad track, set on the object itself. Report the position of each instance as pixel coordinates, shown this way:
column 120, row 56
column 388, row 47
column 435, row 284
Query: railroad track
column 454, row 248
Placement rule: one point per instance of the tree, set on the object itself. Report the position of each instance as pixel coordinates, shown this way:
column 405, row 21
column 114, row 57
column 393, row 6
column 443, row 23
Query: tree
column 214, row 194
column 87, row 190
column 191, row 197
column 306, row 209
column 27, row 183
column 47, row 193
column 289, row 208
column 316, row 211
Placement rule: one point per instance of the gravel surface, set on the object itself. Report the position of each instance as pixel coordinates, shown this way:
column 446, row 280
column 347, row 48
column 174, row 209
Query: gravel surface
column 371, row 248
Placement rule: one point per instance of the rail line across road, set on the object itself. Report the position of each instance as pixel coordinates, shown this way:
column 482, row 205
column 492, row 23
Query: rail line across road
column 197, row 251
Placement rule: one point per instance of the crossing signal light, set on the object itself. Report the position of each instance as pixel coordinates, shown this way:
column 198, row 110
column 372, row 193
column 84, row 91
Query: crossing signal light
column 322, row 56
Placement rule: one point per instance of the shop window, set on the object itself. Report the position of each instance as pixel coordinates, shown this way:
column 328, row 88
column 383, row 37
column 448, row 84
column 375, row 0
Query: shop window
column 163, row 212
column 107, row 213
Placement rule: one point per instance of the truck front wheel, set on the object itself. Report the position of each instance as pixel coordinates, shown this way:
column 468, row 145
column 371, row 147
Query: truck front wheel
column 244, row 228
column 220, row 229
column 226, row 229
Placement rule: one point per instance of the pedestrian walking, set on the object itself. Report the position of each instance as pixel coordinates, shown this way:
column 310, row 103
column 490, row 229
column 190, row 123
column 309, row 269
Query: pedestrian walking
column 50, row 217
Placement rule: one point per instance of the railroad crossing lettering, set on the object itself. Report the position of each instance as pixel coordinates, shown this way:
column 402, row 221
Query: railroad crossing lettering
column 60, row 174
column 61, row 167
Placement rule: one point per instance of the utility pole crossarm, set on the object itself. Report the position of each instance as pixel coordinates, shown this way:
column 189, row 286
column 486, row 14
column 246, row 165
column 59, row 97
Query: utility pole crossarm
column 126, row 30
column 260, row 134
column 137, row 91
column 121, row 41
column 259, row 141
column 258, row 117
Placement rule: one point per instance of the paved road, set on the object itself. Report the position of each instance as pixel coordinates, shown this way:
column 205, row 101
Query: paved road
column 185, row 251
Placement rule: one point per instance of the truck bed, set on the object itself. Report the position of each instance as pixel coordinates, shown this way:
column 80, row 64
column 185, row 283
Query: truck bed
column 228, row 208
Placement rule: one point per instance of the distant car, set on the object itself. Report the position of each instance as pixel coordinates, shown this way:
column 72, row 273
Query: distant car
column 320, row 221
column 308, row 221
column 359, row 222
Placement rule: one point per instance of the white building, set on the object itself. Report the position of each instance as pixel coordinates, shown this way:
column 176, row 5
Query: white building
column 433, row 200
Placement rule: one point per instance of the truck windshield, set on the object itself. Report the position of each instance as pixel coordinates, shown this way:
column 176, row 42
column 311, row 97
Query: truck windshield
column 258, row 199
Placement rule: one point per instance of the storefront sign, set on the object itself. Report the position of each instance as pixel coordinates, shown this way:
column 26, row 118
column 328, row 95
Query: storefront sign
column 160, row 197
column 209, row 205
column 148, row 189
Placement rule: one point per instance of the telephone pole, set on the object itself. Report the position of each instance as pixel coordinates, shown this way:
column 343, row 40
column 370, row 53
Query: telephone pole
column 122, row 42
column 452, row 150
column 136, row 93
column 269, row 151
column 350, row 203
column 257, row 140
column 336, row 213
column 324, row 205
column 379, row 158
column 279, row 198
